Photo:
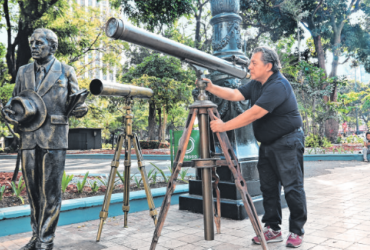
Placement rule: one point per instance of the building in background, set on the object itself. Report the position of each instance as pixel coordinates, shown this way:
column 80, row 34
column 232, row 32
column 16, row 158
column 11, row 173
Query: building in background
column 94, row 59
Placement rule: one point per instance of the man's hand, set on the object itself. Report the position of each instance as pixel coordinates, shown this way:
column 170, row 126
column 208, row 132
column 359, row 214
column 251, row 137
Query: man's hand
column 209, row 83
column 217, row 125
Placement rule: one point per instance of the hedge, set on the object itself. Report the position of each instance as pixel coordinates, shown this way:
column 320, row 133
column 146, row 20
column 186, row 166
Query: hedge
column 153, row 144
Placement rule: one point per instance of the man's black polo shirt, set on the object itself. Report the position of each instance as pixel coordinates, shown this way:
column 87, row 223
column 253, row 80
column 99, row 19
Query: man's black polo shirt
column 277, row 97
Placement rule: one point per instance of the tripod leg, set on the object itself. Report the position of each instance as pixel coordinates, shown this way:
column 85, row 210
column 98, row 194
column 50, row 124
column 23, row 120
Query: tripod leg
column 112, row 175
column 176, row 170
column 140, row 163
column 239, row 181
column 126, row 193
column 217, row 216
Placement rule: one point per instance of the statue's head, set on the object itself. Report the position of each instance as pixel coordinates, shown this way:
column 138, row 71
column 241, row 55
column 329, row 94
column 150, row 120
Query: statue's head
column 43, row 43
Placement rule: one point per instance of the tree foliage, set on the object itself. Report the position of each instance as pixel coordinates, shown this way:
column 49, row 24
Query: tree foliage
column 264, row 15
column 156, row 13
column 170, row 82
column 80, row 31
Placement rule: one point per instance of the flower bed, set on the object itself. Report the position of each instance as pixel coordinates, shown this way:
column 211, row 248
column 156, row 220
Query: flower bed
column 71, row 192
column 350, row 148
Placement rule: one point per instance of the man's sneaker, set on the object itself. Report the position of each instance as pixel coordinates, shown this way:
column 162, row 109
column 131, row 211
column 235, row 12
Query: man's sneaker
column 294, row 240
column 270, row 236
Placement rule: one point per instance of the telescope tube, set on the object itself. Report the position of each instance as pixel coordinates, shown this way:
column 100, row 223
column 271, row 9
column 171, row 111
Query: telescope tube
column 116, row 28
column 100, row 87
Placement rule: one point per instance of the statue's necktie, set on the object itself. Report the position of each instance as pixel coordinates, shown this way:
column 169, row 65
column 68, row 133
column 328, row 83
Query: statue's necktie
column 40, row 76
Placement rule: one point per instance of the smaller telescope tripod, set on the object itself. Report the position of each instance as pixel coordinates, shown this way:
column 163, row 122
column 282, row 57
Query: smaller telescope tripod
column 207, row 110
column 128, row 138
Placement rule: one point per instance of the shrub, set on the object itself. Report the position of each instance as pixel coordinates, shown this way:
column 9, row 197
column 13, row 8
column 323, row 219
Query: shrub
column 81, row 185
column 66, row 180
column 315, row 141
column 18, row 188
column 154, row 144
column 339, row 139
column 107, row 146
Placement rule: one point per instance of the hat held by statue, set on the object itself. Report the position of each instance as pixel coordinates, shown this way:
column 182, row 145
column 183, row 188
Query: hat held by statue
column 29, row 110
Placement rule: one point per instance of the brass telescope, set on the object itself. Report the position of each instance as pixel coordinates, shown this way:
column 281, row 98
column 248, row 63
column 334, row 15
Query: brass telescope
column 100, row 87
column 117, row 29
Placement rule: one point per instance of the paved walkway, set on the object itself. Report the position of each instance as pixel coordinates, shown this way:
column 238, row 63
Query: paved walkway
column 339, row 218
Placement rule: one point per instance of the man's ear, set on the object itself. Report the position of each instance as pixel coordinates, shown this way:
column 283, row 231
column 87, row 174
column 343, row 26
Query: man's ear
column 54, row 48
column 269, row 66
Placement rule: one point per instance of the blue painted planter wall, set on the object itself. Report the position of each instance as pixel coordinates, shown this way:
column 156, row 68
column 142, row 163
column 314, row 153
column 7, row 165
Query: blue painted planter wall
column 333, row 157
column 318, row 157
column 16, row 220
column 101, row 156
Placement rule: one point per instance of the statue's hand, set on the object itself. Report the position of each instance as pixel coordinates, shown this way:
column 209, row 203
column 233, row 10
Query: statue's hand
column 6, row 111
column 80, row 111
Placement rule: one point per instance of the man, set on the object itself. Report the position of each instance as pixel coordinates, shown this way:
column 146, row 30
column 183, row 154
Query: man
column 44, row 149
column 366, row 149
column 277, row 125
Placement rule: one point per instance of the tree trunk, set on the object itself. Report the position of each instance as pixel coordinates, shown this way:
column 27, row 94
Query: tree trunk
column 160, row 124
column 23, row 46
column 313, row 121
column 308, row 130
column 332, row 125
column 320, row 52
column 197, row 28
column 334, row 64
column 151, row 121
column 331, row 129
column 164, row 125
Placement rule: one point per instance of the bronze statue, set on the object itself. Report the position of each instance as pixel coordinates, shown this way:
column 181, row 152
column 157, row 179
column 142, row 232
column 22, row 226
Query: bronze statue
column 39, row 109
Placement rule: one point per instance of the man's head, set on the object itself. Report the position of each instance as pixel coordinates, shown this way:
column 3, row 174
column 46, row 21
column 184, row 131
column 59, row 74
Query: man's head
column 264, row 63
column 43, row 43
column 368, row 136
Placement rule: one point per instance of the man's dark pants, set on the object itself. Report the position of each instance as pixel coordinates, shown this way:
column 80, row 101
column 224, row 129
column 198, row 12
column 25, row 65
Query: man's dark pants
column 43, row 172
column 281, row 164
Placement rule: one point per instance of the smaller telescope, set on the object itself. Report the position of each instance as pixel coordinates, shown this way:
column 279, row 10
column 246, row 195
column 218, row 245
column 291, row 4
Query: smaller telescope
column 100, row 87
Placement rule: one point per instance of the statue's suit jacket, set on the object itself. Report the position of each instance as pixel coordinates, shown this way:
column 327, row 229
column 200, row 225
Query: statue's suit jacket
column 58, row 84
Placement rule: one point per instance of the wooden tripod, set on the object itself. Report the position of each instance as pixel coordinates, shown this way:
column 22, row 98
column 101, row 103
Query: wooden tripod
column 205, row 110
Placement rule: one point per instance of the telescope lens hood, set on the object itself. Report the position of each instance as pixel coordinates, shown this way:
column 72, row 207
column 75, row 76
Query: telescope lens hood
column 96, row 87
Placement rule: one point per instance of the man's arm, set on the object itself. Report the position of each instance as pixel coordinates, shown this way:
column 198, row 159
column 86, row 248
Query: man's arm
column 81, row 109
column 249, row 116
column 224, row 93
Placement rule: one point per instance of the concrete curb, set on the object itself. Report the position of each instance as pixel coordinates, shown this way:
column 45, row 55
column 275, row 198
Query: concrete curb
column 14, row 220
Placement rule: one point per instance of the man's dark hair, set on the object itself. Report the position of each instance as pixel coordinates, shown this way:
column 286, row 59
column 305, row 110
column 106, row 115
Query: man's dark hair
column 367, row 133
column 269, row 56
